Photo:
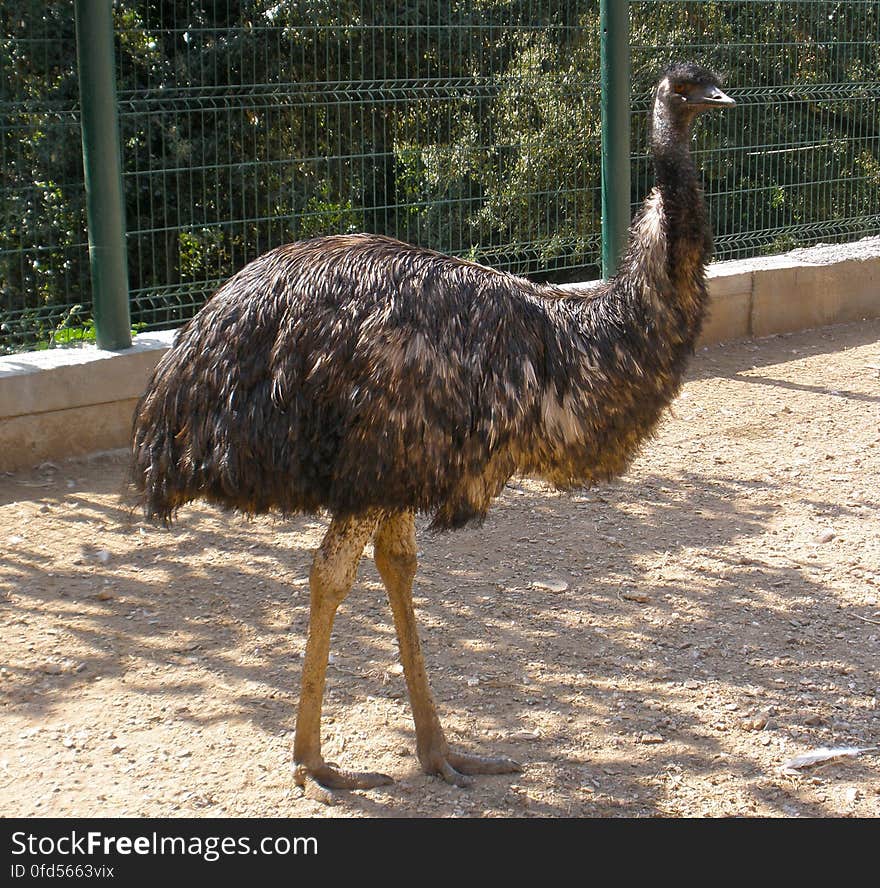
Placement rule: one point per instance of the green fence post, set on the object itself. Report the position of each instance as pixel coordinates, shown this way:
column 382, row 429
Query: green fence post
column 103, row 174
column 615, row 131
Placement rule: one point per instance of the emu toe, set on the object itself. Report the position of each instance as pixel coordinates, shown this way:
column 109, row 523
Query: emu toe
column 458, row 768
column 318, row 783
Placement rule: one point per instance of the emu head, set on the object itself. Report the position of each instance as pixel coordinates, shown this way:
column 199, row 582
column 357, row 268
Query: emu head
column 685, row 91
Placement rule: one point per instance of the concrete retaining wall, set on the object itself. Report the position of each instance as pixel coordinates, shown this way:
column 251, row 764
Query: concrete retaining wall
column 800, row 290
column 69, row 402
column 72, row 401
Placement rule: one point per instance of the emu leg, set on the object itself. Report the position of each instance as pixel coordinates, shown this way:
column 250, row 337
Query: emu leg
column 395, row 553
column 330, row 580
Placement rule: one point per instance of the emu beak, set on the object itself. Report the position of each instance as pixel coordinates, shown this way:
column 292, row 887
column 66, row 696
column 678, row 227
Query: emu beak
column 711, row 97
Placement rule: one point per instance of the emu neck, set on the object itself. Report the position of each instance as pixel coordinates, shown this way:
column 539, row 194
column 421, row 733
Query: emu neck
column 660, row 287
column 687, row 228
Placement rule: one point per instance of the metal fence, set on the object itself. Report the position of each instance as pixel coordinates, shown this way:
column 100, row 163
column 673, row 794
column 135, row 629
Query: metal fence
column 472, row 127
column 412, row 120
column 44, row 271
column 798, row 161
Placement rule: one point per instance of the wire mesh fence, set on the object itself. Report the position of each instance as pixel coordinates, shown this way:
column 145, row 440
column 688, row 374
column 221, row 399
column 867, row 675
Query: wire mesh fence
column 471, row 127
column 44, row 260
column 798, row 161
column 430, row 122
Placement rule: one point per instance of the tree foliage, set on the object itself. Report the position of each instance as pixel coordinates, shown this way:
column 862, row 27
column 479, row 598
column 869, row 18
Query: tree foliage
column 471, row 126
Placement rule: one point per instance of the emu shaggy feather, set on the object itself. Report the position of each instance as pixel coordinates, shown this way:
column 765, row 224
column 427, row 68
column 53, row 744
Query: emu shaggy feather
column 357, row 372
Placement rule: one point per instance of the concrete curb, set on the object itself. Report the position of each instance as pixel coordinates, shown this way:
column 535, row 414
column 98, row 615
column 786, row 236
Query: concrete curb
column 800, row 290
column 70, row 402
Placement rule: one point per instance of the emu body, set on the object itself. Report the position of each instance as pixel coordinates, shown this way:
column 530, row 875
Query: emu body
column 375, row 380
column 359, row 372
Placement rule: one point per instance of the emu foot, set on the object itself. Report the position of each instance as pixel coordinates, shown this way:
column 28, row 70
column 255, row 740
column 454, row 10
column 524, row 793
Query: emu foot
column 319, row 782
column 456, row 768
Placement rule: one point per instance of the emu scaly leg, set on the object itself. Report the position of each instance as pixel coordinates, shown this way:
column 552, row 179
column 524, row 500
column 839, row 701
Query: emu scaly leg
column 395, row 553
column 330, row 580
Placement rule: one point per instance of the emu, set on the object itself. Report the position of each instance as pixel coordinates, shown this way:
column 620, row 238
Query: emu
column 374, row 380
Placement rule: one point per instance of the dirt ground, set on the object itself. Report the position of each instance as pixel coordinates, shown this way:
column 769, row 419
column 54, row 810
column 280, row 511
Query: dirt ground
column 657, row 647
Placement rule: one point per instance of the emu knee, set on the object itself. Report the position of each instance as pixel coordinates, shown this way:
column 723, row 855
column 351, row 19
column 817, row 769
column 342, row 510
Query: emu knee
column 395, row 567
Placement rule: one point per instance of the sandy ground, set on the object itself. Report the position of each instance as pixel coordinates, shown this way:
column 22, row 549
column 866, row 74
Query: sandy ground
column 657, row 647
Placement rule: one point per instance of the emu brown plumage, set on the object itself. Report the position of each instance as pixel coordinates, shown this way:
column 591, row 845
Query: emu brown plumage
column 376, row 380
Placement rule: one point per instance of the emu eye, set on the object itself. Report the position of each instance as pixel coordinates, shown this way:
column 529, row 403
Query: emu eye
column 680, row 89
